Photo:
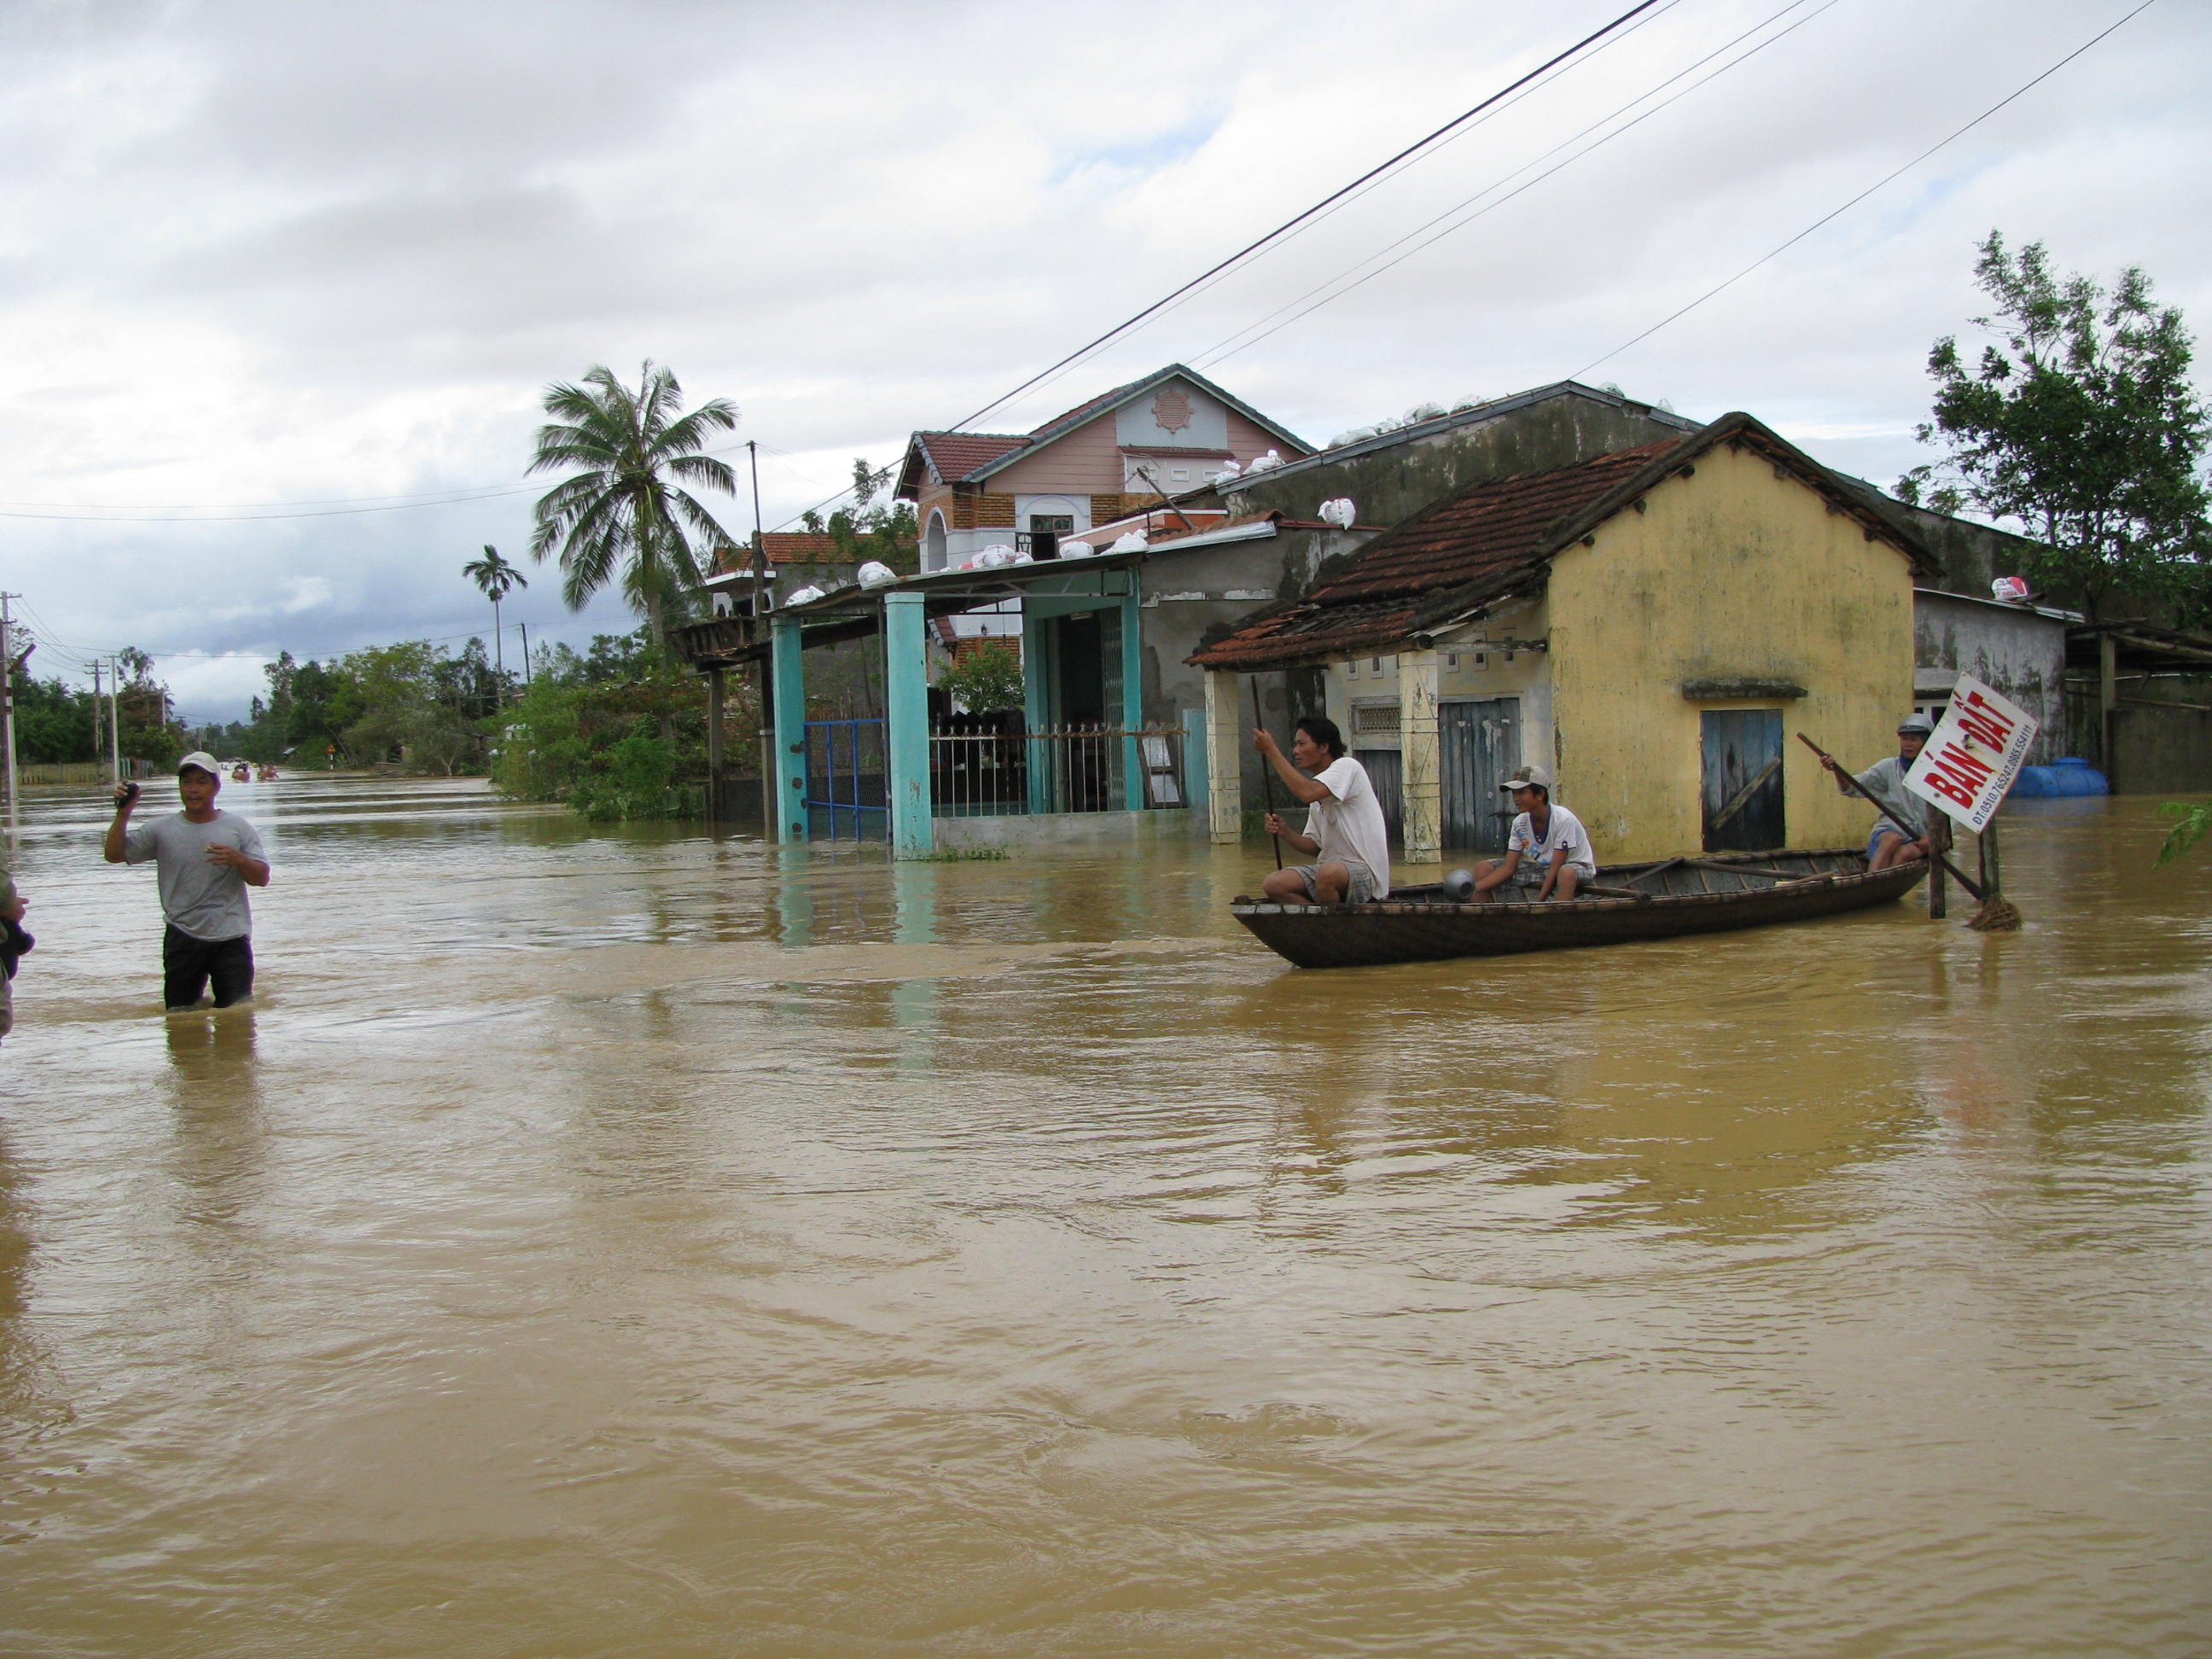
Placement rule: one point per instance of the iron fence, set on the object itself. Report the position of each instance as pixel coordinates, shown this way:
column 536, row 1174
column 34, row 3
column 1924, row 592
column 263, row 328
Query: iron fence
column 984, row 766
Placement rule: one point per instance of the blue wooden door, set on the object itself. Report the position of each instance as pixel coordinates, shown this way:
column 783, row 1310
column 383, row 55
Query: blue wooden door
column 1742, row 794
column 1481, row 743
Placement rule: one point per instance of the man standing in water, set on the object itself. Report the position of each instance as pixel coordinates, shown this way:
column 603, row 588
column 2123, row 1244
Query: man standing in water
column 1885, row 781
column 1343, row 834
column 207, row 859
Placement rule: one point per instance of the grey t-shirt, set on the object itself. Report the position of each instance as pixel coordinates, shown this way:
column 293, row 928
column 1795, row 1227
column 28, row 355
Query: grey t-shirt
column 1885, row 781
column 207, row 901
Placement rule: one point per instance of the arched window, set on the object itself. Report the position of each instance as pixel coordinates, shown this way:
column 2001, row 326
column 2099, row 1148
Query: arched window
column 933, row 543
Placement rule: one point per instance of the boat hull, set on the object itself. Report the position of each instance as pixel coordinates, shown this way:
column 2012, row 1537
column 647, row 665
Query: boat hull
column 1713, row 895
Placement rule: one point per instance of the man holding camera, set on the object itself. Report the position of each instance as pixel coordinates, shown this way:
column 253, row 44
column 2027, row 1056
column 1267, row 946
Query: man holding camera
column 207, row 859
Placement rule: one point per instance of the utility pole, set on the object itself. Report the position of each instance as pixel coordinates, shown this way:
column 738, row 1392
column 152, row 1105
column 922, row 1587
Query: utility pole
column 761, row 599
column 98, row 737
column 8, row 704
column 115, row 717
column 525, row 653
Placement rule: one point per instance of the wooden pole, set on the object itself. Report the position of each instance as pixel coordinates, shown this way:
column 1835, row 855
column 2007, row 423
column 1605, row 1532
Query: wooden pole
column 2108, row 699
column 1267, row 769
column 1938, row 904
column 1858, row 789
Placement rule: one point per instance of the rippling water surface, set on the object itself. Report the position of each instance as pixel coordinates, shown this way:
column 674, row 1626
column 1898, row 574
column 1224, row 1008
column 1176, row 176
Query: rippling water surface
column 645, row 1242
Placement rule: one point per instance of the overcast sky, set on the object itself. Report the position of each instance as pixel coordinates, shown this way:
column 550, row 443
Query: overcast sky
column 287, row 256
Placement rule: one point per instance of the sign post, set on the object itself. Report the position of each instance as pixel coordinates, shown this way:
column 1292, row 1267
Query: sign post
column 1967, row 768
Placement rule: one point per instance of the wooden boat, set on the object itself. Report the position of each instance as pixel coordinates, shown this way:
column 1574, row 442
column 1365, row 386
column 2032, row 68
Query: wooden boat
column 1713, row 894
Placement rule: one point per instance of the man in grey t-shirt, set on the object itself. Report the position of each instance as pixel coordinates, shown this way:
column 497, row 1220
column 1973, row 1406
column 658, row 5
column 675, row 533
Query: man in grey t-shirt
column 207, row 859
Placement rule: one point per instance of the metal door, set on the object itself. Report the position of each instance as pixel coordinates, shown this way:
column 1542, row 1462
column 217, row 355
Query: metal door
column 1481, row 743
column 1742, row 766
column 1386, row 772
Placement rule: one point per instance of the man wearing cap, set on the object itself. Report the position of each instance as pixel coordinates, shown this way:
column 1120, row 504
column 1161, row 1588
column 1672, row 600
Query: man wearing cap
column 1885, row 781
column 207, row 859
column 1546, row 849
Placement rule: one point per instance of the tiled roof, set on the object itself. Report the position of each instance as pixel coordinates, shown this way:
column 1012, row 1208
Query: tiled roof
column 787, row 547
column 1493, row 538
column 955, row 454
column 1490, row 529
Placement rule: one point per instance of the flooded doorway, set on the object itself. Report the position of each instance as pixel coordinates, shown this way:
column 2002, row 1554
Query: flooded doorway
column 1481, row 743
column 1742, row 780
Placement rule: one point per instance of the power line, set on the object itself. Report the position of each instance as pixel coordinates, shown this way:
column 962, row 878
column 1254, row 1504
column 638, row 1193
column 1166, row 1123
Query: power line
column 1206, row 284
column 1290, row 224
column 1886, row 177
column 1460, row 218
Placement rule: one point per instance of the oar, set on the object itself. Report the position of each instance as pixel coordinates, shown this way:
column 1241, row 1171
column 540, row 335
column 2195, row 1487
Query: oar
column 1910, row 834
column 1267, row 769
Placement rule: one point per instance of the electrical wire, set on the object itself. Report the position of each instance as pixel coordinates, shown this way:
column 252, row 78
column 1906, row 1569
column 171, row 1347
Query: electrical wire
column 1458, row 216
column 1409, row 153
column 1886, row 178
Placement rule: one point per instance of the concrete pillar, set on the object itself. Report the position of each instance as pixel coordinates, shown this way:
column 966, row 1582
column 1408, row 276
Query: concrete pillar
column 1036, row 707
column 1421, row 756
column 1226, row 736
column 1132, row 643
column 906, row 679
column 786, row 760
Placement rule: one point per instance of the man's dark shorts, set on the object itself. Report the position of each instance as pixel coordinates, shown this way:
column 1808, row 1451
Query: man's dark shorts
column 189, row 966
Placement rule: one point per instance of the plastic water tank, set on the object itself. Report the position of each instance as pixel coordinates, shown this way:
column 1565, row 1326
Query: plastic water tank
column 2070, row 776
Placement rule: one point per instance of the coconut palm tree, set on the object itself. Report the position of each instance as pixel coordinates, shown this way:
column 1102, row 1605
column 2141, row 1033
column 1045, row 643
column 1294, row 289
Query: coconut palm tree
column 624, row 511
column 496, row 578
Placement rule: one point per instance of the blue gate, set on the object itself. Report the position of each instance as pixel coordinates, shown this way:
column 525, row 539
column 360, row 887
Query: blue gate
column 847, row 782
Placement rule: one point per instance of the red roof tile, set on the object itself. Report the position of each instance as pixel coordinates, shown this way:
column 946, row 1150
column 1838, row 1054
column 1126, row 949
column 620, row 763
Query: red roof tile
column 956, row 454
column 787, row 547
column 1493, row 538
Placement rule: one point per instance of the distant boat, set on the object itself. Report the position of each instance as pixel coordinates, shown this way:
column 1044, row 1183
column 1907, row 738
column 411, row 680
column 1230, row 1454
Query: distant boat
column 1713, row 894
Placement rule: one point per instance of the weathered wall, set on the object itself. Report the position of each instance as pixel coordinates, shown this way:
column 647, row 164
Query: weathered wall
column 2020, row 653
column 1390, row 481
column 2162, row 736
column 1732, row 572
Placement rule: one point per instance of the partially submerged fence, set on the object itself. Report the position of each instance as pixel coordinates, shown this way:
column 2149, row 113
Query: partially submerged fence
column 984, row 772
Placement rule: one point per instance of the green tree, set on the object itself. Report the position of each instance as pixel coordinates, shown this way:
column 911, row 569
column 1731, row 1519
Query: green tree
column 495, row 577
column 985, row 679
column 2191, row 822
column 872, row 527
column 151, row 732
column 624, row 512
column 2083, row 427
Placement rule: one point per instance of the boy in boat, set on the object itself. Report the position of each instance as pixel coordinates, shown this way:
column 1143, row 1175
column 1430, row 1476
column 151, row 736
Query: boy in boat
column 1885, row 781
column 1344, row 834
column 206, row 858
column 1547, row 849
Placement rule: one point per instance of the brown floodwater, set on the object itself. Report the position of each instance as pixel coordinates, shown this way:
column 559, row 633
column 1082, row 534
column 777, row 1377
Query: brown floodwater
column 639, row 1242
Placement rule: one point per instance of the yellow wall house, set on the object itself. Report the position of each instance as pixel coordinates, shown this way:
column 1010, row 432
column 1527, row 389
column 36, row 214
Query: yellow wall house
column 1653, row 625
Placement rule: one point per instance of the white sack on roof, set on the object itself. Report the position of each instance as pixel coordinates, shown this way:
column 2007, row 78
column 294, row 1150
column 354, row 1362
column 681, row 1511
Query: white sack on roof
column 1132, row 541
column 1072, row 548
column 804, row 594
column 1267, row 462
column 1228, row 471
column 876, row 574
column 996, row 556
column 1339, row 512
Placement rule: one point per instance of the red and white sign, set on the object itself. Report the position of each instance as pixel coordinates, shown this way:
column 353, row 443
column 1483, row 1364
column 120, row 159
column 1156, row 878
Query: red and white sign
column 1976, row 751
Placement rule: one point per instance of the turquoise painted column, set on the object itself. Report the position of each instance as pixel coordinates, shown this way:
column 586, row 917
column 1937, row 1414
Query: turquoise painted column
column 906, row 679
column 1195, row 763
column 1036, row 706
column 1134, row 798
column 788, row 664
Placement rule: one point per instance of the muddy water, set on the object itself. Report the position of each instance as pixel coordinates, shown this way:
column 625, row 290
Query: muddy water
column 643, row 1244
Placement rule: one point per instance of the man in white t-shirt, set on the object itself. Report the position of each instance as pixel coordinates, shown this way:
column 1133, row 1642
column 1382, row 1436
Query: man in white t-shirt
column 1344, row 834
column 1547, row 850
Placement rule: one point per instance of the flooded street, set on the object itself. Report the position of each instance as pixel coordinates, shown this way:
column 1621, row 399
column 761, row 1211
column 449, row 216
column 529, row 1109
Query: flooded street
column 606, row 1241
